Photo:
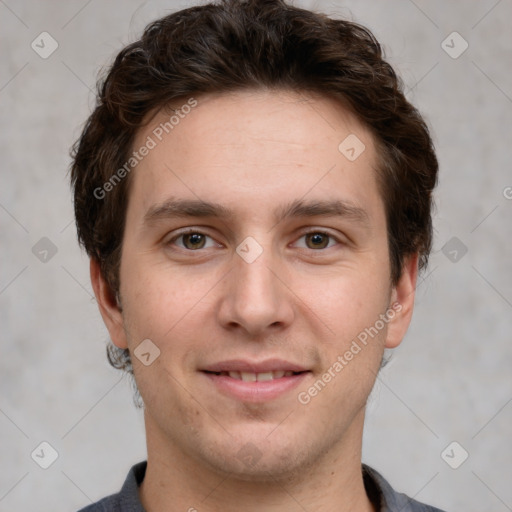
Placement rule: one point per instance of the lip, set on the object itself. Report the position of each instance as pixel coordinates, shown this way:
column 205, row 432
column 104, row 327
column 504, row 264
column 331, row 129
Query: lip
column 259, row 391
column 243, row 365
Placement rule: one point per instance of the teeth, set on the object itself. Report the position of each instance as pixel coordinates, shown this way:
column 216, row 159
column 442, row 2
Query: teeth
column 253, row 377
column 264, row 376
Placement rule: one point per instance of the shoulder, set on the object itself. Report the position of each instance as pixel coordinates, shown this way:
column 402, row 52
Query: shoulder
column 108, row 504
column 127, row 499
column 387, row 498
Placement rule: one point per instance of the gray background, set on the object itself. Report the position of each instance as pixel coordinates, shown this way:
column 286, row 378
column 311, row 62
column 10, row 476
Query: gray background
column 449, row 381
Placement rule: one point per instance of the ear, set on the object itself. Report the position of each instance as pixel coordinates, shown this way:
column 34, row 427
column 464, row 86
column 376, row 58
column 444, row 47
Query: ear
column 402, row 302
column 108, row 305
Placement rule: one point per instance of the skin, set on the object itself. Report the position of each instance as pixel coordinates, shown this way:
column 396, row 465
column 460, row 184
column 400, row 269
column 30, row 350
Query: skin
column 253, row 152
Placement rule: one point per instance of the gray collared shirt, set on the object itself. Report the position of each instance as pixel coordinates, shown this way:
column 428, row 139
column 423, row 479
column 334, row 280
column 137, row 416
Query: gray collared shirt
column 380, row 493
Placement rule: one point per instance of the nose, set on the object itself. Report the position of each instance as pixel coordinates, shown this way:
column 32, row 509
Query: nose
column 255, row 297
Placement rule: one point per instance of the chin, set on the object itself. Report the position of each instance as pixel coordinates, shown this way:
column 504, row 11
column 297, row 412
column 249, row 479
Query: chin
column 261, row 458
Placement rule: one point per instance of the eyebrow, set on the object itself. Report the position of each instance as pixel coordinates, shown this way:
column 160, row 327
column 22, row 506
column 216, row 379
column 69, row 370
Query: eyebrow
column 180, row 208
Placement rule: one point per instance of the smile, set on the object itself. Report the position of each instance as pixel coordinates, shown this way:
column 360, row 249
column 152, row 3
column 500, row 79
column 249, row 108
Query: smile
column 254, row 387
column 256, row 377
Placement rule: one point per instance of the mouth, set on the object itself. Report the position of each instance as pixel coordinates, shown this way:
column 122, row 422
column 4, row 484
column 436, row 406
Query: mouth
column 256, row 377
column 254, row 386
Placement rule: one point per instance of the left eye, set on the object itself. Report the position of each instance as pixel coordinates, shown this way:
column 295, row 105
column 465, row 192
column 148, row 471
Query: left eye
column 317, row 240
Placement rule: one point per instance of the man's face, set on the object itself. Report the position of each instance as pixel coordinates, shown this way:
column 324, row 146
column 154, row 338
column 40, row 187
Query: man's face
column 269, row 279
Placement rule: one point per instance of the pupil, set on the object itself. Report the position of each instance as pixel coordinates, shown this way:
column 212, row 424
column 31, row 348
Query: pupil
column 318, row 240
column 194, row 240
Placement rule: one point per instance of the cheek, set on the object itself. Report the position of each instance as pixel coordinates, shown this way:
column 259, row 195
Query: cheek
column 168, row 311
column 151, row 299
column 353, row 347
column 347, row 304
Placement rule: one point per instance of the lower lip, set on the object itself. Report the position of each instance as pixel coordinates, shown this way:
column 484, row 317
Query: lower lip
column 259, row 391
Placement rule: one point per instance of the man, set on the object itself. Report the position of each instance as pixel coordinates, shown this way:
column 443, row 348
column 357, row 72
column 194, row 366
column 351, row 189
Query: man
column 254, row 193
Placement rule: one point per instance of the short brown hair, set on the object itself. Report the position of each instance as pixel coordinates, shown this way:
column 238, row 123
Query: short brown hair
column 249, row 44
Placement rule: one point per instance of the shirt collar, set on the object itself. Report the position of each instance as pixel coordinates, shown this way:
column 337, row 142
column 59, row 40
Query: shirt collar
column 379, row 491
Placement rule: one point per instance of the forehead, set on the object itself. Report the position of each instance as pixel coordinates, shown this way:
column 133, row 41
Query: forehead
column 235, row 146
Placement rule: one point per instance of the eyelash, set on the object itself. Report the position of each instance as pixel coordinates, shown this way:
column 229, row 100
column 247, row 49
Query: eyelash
column 191, row 231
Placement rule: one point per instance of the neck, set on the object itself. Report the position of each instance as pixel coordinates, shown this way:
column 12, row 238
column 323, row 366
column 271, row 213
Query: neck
column 175, row 481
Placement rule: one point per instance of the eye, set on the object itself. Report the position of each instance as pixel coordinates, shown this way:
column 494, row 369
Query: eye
column 318, row 240
column 192, row 240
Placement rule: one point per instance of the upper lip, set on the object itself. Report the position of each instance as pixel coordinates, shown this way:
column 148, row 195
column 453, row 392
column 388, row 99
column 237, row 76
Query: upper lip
column 243, row 365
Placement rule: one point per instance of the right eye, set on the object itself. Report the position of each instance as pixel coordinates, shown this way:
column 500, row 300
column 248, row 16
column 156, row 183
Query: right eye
column 192, row 241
